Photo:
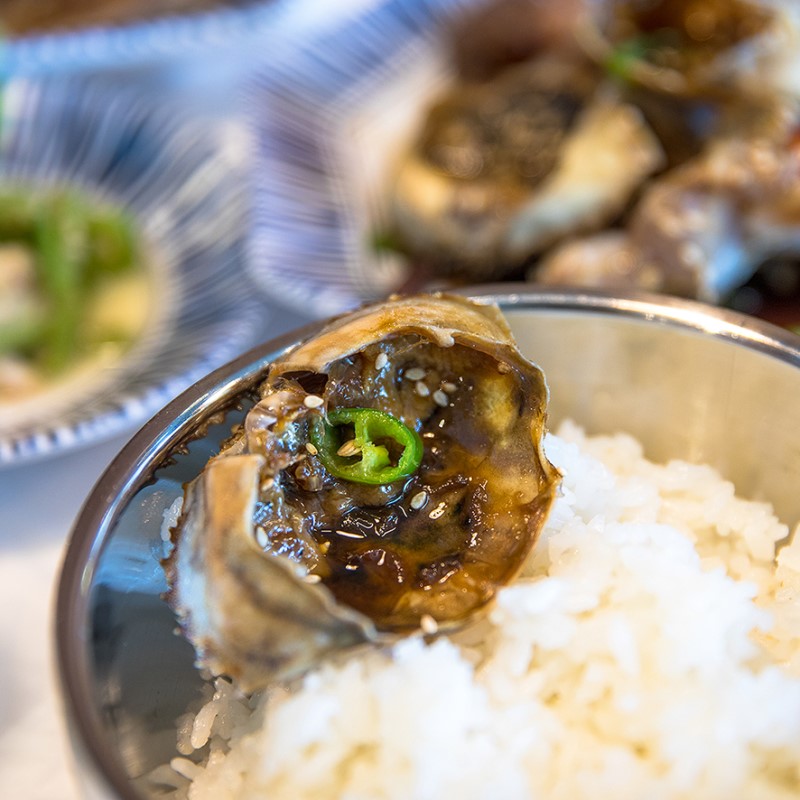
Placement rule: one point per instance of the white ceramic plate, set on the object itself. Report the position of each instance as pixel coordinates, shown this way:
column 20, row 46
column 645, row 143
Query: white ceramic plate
column 185, row 186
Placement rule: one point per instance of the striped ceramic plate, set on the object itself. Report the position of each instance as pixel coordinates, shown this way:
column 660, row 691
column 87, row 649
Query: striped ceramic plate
column 185, row 186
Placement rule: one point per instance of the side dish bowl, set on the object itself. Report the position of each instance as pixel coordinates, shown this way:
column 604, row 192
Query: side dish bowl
column 183, row 186
column 689, row 381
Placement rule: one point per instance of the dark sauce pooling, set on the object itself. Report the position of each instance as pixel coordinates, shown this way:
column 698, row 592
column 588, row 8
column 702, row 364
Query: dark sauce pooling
column 427, row 544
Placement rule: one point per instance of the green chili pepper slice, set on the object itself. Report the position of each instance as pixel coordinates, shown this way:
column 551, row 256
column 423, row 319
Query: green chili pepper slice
column 383, row 448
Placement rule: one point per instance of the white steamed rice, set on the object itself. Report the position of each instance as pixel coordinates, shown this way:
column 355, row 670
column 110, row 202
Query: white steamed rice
column 650, row 650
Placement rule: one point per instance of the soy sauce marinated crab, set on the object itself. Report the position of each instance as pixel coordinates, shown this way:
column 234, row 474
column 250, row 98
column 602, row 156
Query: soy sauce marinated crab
column 390, row 478
column 702, row 230
column 597, row 160
column 704, row 227
column 698, row 48
column 506, row 167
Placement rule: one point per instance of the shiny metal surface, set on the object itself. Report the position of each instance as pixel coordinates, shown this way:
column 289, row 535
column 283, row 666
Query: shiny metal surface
column 691, row 382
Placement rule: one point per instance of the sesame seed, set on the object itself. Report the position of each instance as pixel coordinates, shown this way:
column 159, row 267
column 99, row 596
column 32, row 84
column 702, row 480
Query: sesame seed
column 349, row 448
column 503, row 368
column 267, row 484
column 428, row 435
column 382, row 560
column 419, row 500
column 428, row 624
column 312, row 578
column 422, row 389
column 310, row 449
column 415, row 374
column 351, row 534
column 438, row 511
column 324, row 547
column 312, row 401
column 449, row 387
column 381, row 361
column 261, row 537
column 441, row 399
column 351, row 566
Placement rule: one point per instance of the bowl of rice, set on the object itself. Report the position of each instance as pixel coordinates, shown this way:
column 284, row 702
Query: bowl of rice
column 649, row 648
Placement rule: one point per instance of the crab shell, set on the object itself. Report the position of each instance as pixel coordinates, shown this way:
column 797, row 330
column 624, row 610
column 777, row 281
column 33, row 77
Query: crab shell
column 262, row 575
column 702, row 230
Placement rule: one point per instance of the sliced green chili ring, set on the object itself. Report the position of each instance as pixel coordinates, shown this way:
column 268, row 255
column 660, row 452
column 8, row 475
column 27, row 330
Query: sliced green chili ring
column 371, row 461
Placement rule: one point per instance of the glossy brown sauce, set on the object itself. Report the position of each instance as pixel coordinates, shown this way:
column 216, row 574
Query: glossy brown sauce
column 427, row 544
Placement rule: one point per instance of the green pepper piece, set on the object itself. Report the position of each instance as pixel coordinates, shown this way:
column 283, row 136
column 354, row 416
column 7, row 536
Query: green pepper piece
column 644, row 47
column 622, row 59
column 372, row 463
column 61, row 240
column 112, row 244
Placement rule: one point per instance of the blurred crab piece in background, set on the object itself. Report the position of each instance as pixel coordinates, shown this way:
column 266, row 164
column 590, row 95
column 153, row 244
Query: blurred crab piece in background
column 502, row 169
column 721, row 48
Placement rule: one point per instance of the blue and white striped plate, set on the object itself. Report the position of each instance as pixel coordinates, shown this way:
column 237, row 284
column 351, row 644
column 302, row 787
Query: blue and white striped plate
column 185, row 184
column 331, row 105
column 139, row 43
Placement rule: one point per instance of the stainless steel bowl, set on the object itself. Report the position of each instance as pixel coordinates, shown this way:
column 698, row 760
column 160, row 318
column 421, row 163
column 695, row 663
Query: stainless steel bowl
column 688, row 380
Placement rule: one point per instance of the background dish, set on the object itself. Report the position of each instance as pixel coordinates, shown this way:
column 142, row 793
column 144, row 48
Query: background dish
column 613, row 363
column 333, row 106
column 185, row 185
column 329, row 105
